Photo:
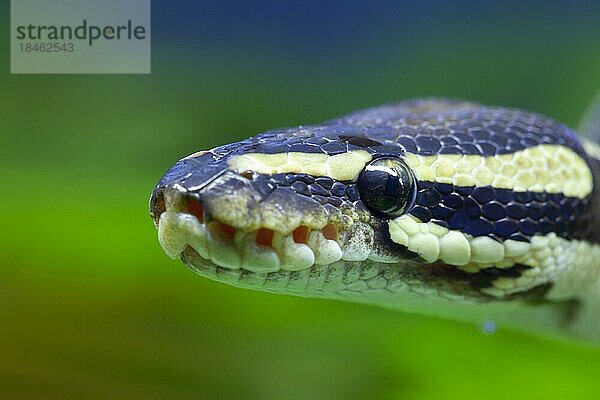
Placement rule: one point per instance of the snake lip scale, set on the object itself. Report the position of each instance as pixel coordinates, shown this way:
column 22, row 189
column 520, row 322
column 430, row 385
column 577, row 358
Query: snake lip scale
column 435, row 206
column 183, row 223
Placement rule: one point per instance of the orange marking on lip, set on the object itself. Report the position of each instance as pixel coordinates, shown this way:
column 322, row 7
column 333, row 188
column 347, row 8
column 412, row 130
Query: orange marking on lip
column 264, row 237
column 300, row 234
column 228, row 230
column 330, row 232
column 196, row 208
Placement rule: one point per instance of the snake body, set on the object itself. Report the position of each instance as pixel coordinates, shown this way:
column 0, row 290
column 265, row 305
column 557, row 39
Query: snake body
column 433, row 206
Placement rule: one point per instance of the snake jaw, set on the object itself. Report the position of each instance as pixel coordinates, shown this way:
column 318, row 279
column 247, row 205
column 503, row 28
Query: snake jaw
column 183, row 221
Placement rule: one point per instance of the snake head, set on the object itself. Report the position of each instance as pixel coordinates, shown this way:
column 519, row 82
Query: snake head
column 413, row 206
column 255, row 209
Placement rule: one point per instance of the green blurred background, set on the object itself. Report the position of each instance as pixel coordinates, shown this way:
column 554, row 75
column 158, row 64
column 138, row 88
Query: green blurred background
column 90, row 307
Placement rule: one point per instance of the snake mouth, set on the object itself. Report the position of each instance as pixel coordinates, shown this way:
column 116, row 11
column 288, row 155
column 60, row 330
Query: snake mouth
column 183, row 221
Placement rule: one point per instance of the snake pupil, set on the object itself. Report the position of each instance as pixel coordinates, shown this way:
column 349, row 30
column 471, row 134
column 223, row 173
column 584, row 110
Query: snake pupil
column 387, row 186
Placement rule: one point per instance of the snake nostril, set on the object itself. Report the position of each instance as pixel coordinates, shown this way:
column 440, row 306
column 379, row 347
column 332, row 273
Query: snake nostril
column 300, row 234
column 196, row 208
column 264, row 237
column 330, row 232
column 157, row 205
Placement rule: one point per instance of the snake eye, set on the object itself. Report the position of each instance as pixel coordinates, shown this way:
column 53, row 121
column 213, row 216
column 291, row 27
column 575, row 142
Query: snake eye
column 387, row 185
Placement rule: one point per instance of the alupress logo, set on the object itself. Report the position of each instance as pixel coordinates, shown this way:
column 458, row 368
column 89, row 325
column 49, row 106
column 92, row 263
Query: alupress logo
column 80, row 36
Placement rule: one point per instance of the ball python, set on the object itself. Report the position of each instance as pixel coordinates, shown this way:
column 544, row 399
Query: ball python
column 435, row 206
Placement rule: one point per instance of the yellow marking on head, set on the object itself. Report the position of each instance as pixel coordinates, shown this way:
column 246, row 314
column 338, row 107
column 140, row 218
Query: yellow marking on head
column 543, row 168
column 342, row 167
column 568, row 264
column 591, row 148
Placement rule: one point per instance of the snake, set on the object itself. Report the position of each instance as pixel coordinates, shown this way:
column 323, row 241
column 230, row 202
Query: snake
column 482, row 214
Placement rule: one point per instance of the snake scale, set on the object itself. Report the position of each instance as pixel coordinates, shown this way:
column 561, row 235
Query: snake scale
column 434, row 206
